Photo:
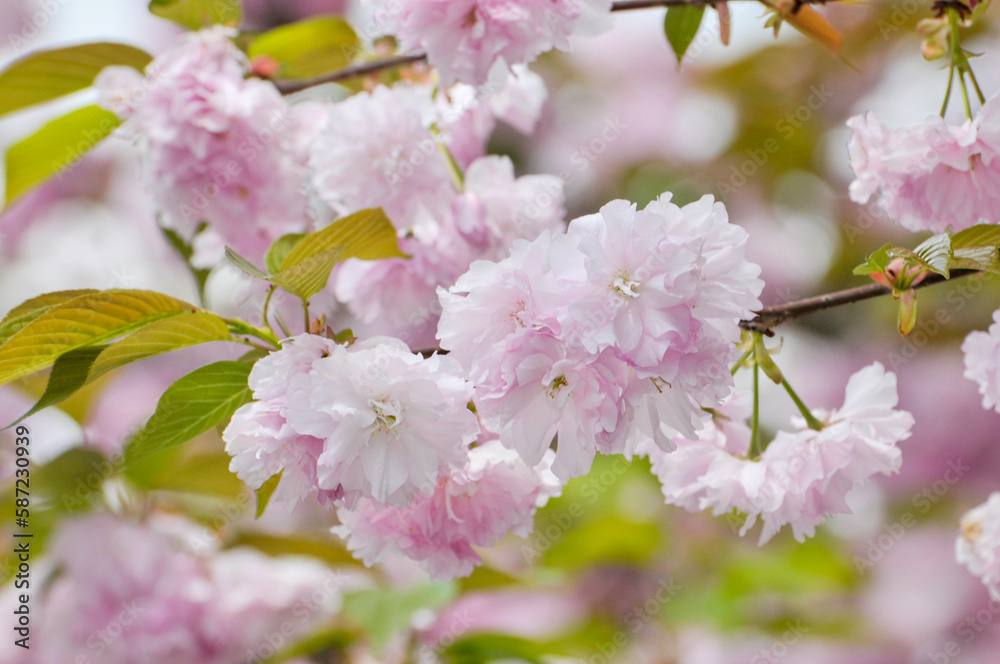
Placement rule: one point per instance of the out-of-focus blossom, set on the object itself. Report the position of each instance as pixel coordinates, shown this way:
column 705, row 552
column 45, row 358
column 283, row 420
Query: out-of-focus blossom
column 978, row 546
column 468, row 115
column 216, row 147
column 125, row 593
column 496, row 208
column 802, row 476
column 464, row 39
column 982, row 362
column 628, row 317
column 933, row 175
column 476, row 505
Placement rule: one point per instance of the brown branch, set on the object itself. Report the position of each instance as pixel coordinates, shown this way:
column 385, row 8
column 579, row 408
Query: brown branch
column 771, row 317
column 365, row 68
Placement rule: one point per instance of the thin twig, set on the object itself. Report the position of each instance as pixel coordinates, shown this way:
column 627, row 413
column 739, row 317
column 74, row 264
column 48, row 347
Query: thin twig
column 366, row 68
column 769, row 318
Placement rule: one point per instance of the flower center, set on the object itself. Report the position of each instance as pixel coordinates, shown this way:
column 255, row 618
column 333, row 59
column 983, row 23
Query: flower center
column 557, row 384
column 624, row 285
column 388, row 415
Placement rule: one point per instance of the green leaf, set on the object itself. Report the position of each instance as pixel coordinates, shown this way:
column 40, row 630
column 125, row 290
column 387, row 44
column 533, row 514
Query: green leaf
column 681, row 25
column 196, row 403
column 935, row 253
column 55, row 147
column 876, row 263
column 309, row 277
column 368, row 235
column 982, row 235
column 265, row 492
column 309, row 48
column 986, row 259
column 246, row 266
column 197, row 14
column 20, row 316
column 46, row 75
column 69, row 373
column 89, row 319
column 186, row 251
column 481, row 648
column 383, row 613
column 279, row 249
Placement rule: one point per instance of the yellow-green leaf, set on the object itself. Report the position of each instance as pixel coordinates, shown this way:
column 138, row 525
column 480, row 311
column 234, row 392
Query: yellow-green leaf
column 309, row 277
column 55, row 147
column 19, row 317
column 86, row 320
column 197, row 14
column 160, row 337
column 265, row 491
column 276, row 253
column 309, row 48
column 46, row 75
column 368, row 235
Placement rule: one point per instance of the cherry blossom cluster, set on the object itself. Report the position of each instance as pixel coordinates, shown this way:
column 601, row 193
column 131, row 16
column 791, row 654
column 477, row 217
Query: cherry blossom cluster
column 123, row 593
column 465, row 39
column 623, row 324
column 932, row 175
column 216, row 147
column 386, row 436
column 803, row 475
column 378, row 149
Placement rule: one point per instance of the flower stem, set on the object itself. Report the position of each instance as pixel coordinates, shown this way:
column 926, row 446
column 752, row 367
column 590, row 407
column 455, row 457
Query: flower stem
column 947, row 92
column 305, row 312
column 739, row 362
column 811, row 420
column 267, row 304
column 755, row 448
column 975, row 83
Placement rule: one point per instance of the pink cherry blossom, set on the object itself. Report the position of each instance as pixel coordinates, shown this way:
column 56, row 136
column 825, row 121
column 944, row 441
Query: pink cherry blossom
column 933, row 175
column 397, row 297
column 468, row 115
column 982, row 362
column 978, row 546
column 621, row 327
column 216, row 147
column 376, row 150
column 465, row 38
column 802, row 476
column 259, row 437
column 476, row 505
column 390, row 420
